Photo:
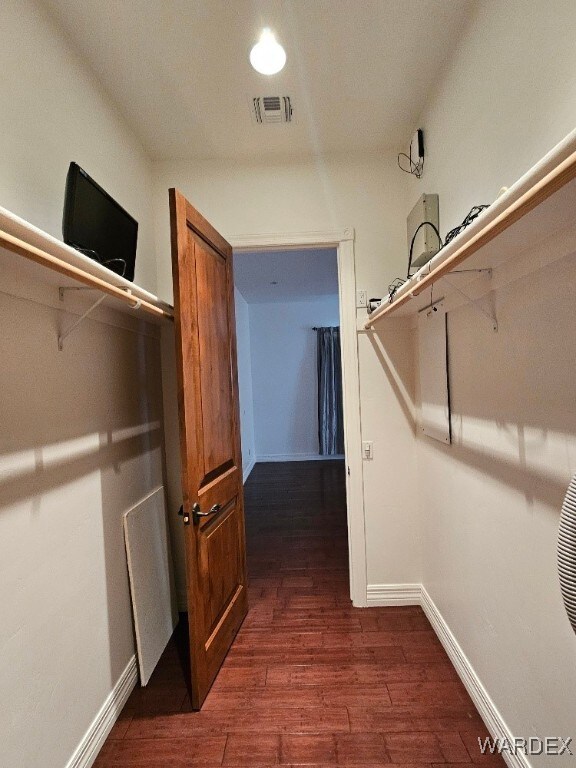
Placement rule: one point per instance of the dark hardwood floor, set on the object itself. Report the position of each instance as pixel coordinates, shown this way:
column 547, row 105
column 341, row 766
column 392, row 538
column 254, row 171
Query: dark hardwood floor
column 309, row 680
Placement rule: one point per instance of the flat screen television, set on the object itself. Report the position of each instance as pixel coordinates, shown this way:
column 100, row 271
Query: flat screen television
column 97, row 226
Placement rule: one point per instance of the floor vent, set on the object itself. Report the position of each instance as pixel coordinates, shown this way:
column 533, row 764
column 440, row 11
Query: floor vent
column 272, row 109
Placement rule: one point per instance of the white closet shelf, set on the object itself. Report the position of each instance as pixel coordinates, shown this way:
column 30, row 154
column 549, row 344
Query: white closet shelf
column 504, row 243
column 53, row 262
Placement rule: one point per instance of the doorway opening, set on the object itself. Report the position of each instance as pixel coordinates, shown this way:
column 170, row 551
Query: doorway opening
column 291, row 416
column 343, row 241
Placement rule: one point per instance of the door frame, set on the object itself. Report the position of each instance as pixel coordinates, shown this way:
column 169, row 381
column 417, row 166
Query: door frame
column 343, row 241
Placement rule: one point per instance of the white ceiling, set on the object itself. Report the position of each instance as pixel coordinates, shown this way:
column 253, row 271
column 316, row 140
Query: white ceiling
column 359, row 71
column 299, row 275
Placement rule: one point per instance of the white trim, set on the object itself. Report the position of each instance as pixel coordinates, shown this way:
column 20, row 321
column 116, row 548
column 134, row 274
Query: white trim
column 488, row 711
column 291, row 240
column 393, row 594
column 249, row 468
column 416, row 594
column 87, row 751
column 343, row 241
column 352, row 428
column 295, row 457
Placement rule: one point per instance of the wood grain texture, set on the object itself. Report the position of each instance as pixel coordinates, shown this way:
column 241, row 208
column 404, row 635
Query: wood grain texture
column 214, row 355
column 293, row 690
column 209, row 441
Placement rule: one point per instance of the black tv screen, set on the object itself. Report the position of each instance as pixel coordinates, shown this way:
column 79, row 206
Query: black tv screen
column 97, row 226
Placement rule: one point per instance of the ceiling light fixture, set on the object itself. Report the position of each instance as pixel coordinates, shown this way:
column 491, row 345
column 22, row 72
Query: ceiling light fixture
column 267, row 56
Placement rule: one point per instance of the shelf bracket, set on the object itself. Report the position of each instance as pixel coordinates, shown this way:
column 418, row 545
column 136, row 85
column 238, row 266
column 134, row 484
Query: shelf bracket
column 490, row 315
column 64, row 289
column 432, row 307
column 62, row 293
column 486, row 270
column 77, row 322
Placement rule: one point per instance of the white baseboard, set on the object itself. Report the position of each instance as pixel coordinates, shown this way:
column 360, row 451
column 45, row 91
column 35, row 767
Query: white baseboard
column 416, row 594
column 249, row 468
column 95, row 736
column 295, row 457
column 393, row 594
column 488, row 711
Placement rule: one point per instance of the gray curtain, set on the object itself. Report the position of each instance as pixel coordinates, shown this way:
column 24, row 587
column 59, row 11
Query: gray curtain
column 330, row 420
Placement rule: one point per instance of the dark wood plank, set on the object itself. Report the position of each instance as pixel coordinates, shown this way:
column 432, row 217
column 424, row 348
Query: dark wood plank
column 309, row 680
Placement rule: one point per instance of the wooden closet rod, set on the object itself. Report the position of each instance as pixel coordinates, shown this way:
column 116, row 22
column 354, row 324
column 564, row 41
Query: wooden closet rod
column 39, row 256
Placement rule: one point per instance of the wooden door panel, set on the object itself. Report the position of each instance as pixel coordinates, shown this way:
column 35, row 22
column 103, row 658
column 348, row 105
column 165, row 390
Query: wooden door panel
column 224, row 571
column 220, row 490
column 188, row 374
column 210, row 441
column 215, row 372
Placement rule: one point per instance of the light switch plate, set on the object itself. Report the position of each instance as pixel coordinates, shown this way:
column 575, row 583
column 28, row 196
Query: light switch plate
column 361, row 299
column 367, row 450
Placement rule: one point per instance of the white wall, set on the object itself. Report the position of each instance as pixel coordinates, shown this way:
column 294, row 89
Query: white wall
column 245, row 383
column 284, row 376
column 490, row 503
column 328, row 194
column 81, row 434
column 54, row 112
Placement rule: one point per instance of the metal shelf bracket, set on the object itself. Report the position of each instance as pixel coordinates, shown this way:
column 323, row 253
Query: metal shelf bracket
column 489, row 315
column 62, row 293
column 77, row 322
column 486, row 270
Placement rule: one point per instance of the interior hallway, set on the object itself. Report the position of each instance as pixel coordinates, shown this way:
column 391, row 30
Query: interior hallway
column 309, row 679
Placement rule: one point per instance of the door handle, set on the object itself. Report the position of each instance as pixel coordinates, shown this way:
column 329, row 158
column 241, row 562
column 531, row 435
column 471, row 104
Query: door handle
column 198, row 512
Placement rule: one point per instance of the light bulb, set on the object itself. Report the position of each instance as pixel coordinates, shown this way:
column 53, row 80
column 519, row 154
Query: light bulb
column 267, row 56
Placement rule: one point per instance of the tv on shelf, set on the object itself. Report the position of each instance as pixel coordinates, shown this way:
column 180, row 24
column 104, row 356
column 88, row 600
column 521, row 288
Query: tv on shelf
column 96, row 225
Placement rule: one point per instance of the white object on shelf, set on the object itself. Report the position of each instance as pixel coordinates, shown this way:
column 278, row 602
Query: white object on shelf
column 426, row 244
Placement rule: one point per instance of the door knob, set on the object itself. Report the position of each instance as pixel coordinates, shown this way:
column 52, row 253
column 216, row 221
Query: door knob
column 198, row 512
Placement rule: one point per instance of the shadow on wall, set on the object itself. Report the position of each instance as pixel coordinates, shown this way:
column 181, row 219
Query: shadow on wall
column 134, row 467
column 395, row 357
column 523, row 374
column 512, row 392
column 534, row 484
column 81, row 443
column 108, row 454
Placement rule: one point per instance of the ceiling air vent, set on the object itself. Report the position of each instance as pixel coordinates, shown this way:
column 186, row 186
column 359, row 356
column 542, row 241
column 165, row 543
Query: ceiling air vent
column 272, row 109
